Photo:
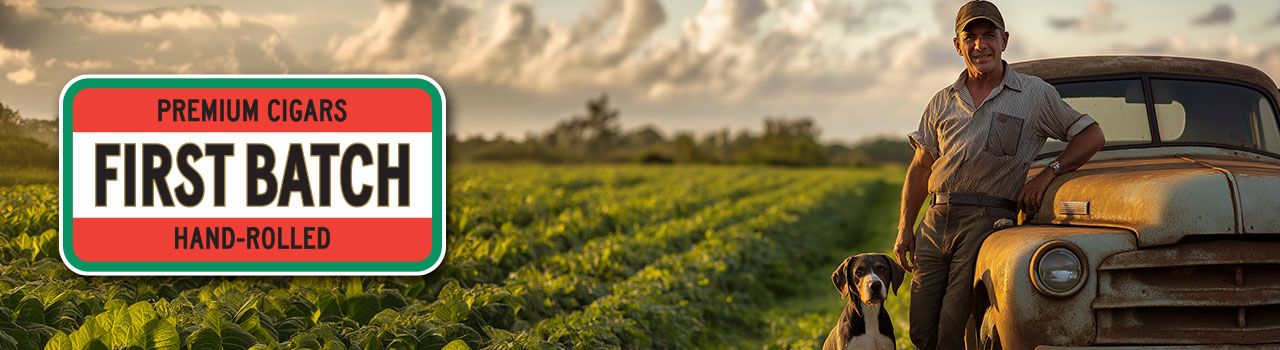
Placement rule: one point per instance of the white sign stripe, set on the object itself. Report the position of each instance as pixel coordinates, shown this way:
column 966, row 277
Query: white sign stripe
column 420, row 189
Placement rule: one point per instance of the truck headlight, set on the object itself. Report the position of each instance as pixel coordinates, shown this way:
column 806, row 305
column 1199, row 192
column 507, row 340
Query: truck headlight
column 1058, row 269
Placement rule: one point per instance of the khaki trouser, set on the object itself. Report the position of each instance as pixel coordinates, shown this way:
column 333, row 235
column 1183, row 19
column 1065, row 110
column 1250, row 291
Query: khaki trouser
column 947, row 243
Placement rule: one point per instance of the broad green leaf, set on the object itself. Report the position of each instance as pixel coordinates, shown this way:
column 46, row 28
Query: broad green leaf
column 9, row 341
column 64, row 315
column 247, row 307
column 391, row 299
column 303, row 341
column 161, row 335
column 451, row 291
column 116, row 321
column 235, row 338
column 204, row 339
column 29, row 310
column 452, row 311
column 48, row 243
column 354, row 287
column 371, row 342
column 88, row 332
column 140, row 313
column 362, row 307
column 252, row 324
column 96, row 344
column 460, row 331
column 457, row 345
column 290, row 327
column 214, row 320
column 334, row 345
column 431, row 341
column 326, row 307
column 384, row 317
column 59, row 341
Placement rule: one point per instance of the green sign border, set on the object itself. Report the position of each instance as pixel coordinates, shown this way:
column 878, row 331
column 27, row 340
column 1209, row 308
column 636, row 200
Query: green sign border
column 245, row 267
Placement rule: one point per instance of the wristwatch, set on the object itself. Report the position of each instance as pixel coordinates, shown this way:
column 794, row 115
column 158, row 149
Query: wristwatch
column 1055, row 166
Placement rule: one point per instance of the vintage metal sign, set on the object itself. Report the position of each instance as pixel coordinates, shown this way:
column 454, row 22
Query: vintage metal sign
column 252, row 174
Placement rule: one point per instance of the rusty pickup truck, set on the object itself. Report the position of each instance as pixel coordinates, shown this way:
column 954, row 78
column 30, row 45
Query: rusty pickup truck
column 1169, row 238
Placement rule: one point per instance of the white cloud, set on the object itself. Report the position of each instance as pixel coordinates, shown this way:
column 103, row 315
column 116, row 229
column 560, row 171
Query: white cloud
column 170, row 19
column 765, row 56
column 279, row 21
column 407, row 35
column 22, row 76
column 20, row 61
column 88, row 64
column 11, row 56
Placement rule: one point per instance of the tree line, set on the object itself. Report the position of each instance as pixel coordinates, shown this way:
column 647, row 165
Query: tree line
column 597, row 137
column 27, row 143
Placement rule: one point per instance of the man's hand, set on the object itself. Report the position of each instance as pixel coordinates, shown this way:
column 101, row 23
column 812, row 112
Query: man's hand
column 913, row 195
column 1033, row 192
column 906, row 244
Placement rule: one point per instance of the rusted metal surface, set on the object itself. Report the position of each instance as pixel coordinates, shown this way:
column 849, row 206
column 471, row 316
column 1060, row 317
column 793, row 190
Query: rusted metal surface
column 1209, row 292
column 1141, row 335
column 1231, row 188
column 1165, row 347
column 1161, row 199
column 1196, row 254
column 1259, row 188
column 1024, row 317
column 1087, row 66
column 1195, row 152
column 1203, row 297
column 1164, row 239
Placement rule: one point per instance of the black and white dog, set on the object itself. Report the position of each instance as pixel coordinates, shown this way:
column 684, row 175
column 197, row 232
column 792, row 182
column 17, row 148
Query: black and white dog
column 865, row 280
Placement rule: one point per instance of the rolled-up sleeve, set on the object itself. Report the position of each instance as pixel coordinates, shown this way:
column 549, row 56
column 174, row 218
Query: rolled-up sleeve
column 1059, row 120
column 926, row 136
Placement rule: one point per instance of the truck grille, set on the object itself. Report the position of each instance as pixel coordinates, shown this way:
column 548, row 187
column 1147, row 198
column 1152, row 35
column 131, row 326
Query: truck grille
column 1223, row 292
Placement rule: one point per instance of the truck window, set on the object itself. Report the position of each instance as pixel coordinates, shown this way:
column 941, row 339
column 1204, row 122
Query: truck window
column 1217, row 113
column 1119, row 106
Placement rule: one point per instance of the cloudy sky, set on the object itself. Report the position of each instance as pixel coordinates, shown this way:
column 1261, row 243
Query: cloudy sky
column 858, row 67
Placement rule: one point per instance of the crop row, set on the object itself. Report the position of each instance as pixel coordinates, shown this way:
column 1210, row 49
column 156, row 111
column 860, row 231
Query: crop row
column 647, row 257
column 489, row 254
column 681, row 295
column 569, row 280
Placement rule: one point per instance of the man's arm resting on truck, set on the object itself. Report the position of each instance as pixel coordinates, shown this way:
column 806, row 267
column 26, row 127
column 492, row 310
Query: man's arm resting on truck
column 1078, row 151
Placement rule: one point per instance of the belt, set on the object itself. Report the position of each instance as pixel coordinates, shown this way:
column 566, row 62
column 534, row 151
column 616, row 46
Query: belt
column 974, row 199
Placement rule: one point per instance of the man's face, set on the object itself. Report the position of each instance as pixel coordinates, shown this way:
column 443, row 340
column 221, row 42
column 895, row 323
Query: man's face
column 981, row 44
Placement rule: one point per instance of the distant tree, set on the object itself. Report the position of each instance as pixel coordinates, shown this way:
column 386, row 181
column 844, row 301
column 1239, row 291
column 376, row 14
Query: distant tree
column 589, row 136
column 597, row 136
column 19, row 146
column 685, row 149
column 791, row 142
column 9, row 120
column 644, row 137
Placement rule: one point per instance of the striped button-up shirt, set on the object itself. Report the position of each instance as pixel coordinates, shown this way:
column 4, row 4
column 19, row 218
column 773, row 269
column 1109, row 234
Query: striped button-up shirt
column 988, row 150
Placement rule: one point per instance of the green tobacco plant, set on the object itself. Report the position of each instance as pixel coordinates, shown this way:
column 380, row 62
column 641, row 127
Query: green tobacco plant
column 540, row 257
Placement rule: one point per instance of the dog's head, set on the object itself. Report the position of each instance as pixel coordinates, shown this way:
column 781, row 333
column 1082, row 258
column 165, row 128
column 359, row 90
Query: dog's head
column 868, row 276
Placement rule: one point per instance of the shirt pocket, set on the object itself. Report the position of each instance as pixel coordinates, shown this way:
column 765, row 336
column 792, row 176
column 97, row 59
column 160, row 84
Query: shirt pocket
column 1004, row 135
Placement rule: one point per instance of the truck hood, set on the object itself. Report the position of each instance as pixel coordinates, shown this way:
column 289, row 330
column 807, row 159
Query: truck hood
column 1163, row 200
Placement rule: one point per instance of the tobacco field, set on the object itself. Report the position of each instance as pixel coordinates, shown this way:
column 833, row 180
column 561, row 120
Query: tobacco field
column 537, row 257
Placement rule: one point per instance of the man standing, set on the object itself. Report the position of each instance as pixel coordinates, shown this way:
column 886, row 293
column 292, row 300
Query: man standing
column 973, row 151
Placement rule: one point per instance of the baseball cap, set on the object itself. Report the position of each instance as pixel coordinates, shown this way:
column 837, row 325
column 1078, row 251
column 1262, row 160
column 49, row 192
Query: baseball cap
column 978, row 9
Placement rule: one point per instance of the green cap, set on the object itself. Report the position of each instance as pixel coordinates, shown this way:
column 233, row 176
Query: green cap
column 978, row 9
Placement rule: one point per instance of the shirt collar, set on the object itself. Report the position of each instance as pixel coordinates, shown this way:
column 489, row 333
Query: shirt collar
column 1010, row 80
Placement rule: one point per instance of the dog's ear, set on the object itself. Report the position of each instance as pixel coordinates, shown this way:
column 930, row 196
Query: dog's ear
column 897, row 273
column 840, row 278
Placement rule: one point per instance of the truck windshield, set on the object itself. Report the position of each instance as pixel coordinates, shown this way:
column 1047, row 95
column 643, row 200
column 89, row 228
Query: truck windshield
column 1186, row 112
